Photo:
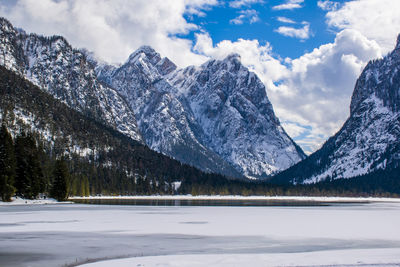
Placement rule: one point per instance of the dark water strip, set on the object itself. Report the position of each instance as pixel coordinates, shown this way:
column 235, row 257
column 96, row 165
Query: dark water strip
column 207, row 202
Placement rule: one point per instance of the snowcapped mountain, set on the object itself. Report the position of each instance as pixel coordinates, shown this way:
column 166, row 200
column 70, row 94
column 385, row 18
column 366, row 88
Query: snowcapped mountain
column 205, row 116
column 370, row 139
column 230, row 105
column 165, row 120
column 216, row 116
column 53, row 65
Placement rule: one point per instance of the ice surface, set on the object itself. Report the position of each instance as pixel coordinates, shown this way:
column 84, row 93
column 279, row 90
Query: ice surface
column 57, row 235
column 356, row 257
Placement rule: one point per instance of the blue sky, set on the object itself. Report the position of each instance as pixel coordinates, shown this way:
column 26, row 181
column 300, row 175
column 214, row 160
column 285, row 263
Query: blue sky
column 308, row 53
column 218, row 21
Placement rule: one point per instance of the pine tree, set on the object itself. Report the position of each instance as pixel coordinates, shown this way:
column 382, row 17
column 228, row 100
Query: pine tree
column 29, row 180
column 7, row 165
column 22, row 182
column 59, row 189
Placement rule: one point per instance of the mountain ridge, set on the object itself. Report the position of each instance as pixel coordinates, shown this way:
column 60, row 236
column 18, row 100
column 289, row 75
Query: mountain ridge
column 143, row 99
column 52, row 64
column 161, row 77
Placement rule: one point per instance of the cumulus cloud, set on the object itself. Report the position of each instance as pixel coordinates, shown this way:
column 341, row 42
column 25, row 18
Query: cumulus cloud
column 321, row 81
column 377, row 20
column 285, row 20
column 249, row 15
column 301, row 33
column 289, row 5
column 114, row 29
column 241, row 3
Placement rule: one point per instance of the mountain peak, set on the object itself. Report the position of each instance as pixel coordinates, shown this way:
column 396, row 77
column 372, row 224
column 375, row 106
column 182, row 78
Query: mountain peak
column 233, row 57
column 6, row 25
column 148, row 51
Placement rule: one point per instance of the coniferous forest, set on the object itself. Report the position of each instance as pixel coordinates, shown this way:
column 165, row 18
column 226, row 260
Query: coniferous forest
column 48, row 149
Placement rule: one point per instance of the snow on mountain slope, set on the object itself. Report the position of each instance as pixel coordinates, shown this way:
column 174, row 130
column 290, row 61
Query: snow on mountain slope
column 165, row 120
column 52, row 64
column 218, row 109
column 231, row 106
column 216, row 117
column 370, row 139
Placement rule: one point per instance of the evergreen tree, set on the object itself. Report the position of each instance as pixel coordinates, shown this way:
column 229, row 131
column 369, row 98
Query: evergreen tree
column 59, row 189
column 7, row 165
column 29, row 180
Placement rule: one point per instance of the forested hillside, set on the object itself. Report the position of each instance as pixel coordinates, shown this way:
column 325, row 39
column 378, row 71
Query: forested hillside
column 109, row 161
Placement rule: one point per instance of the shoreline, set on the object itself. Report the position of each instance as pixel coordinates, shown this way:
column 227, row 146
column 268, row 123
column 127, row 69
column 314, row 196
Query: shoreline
column 238, row 198
column 49, row 201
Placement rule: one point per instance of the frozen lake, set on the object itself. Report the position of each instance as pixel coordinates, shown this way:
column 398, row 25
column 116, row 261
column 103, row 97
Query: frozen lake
column 358, row 234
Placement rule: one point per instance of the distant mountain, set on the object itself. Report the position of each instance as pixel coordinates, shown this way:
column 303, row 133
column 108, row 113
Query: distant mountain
column 216, row 117
column 205, row 116
column 370, row 138
column 53, row 65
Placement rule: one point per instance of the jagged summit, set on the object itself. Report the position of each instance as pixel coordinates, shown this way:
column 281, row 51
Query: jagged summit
column 233, row 57
column 147, row 51
column 5, row 23
column 215, row 116
column 230, row 105
column 380, row 78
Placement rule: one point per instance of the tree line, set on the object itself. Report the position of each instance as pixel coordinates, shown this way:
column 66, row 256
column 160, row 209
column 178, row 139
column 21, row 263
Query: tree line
column 22, row 169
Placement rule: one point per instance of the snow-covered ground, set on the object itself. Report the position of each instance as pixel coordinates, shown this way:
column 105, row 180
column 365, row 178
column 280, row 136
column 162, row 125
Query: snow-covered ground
column 69, row 235
column 41, row 201
column 351, row 257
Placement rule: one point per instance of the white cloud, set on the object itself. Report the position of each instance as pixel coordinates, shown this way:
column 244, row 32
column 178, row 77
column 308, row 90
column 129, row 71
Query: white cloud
column 249, row 15
column 377, row 20
column 114, row 29
column 285, row 20
column 294, row 129
column 319, row 84
column 328, row 5
column 301, row 33
column 241, row 3
column 196, row 7
column 289, row 5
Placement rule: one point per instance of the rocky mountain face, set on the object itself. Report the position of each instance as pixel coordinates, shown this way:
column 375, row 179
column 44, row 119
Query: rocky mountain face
column 53, row 65
column 216, row 116
column 206, row 116
column 238, row 123
column 370, row 139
